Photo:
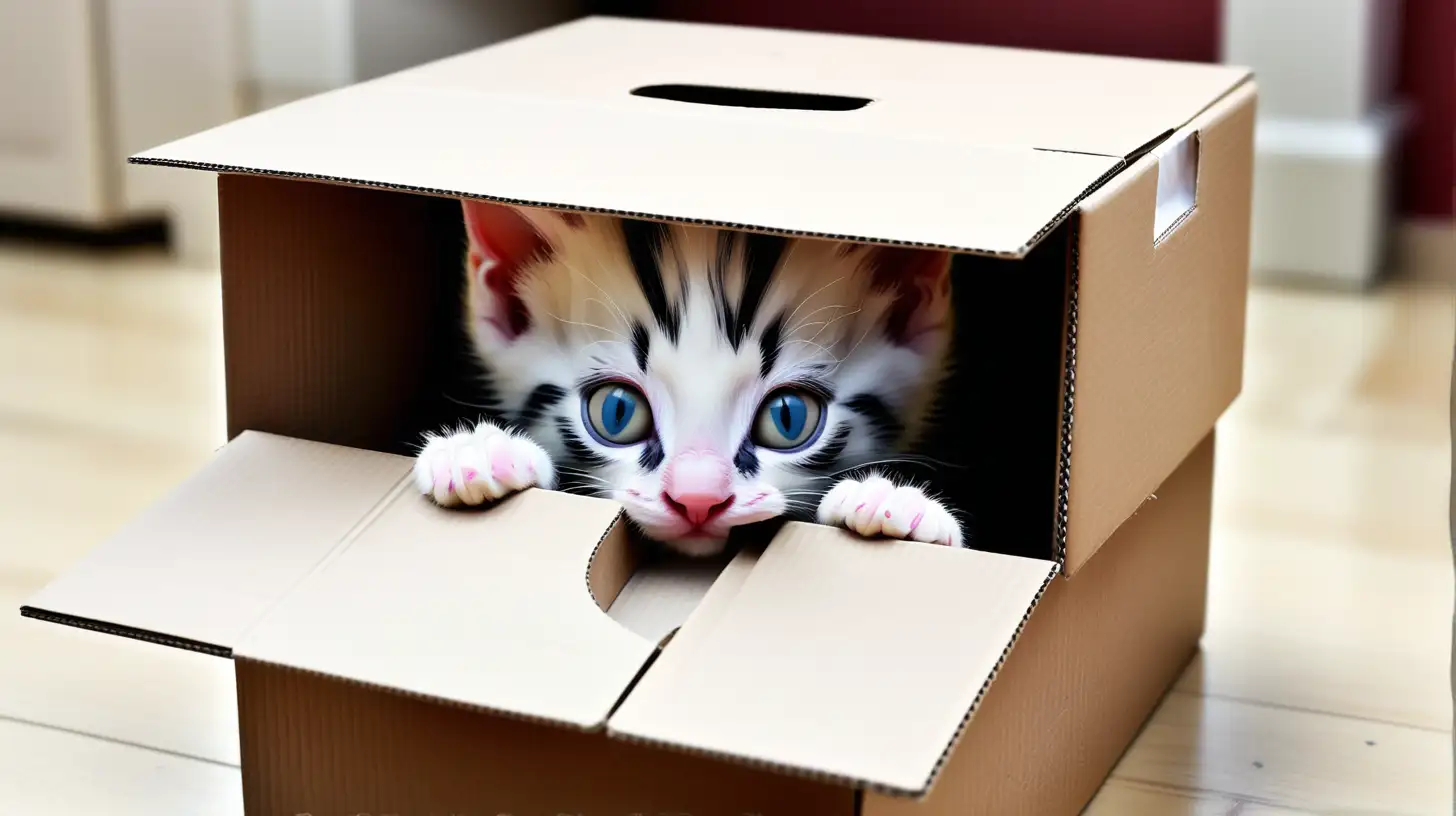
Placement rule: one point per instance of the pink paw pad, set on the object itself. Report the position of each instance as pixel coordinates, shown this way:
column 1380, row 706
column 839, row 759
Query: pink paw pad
column 502, row 469
column 470, row 474
column 915, row 522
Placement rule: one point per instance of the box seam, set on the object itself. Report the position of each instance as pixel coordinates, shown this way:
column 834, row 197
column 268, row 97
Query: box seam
column 343, row 544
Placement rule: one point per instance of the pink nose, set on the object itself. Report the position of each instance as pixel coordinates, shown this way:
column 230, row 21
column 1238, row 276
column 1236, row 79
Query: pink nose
column 698, row 508
column 698, row 485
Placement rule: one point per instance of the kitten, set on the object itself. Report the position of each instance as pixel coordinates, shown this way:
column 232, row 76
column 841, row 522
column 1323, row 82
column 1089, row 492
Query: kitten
column 702, row 378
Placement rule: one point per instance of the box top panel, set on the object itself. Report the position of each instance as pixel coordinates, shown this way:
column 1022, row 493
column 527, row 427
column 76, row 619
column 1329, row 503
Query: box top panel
column 854, row 661
column 962, row 147
column 200, row 567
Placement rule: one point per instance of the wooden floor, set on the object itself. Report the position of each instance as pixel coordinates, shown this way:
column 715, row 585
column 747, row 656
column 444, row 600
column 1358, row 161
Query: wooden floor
column 1322, row 687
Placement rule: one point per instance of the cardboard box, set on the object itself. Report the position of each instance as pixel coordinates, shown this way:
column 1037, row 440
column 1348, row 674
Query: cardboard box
column 395, row 657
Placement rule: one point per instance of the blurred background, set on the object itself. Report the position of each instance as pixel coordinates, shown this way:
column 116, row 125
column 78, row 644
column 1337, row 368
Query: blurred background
column 1323, row 685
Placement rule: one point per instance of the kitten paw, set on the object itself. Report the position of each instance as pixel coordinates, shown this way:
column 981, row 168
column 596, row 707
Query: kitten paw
column 876, row 506
column 481, row 465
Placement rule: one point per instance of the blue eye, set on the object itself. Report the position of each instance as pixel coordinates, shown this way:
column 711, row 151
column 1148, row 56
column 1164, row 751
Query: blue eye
column 787, row 420
column 618, row 414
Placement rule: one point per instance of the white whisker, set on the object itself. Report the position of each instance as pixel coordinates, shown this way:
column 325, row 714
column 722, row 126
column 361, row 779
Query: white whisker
column 587, row 325
column 621, row 315
column 805, row 321
column 811, row 295
column 826, row 326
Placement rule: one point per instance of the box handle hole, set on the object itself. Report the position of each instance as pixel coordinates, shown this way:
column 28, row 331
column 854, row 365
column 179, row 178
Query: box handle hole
column 750, row 98
column 1177, row 184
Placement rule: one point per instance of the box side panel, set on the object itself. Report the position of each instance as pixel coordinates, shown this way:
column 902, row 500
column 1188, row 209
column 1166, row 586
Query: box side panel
column 314, row 745
column 1158, row 329
column 1093, row 661
column 214, row 555
column 332, row 305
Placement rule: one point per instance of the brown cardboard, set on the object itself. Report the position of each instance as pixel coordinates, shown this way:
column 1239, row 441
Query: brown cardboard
column 528, row 658
column 430, row 602
column 325, row 334
column 498, row 611
column 568, row 133
column 314, row 745
column 1103, row 645
column 1159, row 328
column 750, row 680
column 202, row 565
column 1090, row 666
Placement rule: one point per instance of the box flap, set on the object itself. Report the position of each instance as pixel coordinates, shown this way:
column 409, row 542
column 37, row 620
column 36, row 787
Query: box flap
column 490, row 610
column 197, row 569
column 963, row 147
column 850, row 660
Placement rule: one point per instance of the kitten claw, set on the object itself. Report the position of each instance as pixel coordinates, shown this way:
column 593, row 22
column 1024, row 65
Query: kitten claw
column 480, row 465
column 877, row 507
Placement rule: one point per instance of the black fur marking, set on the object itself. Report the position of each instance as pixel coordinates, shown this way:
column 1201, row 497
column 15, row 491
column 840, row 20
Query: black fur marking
column 641, row 342
column 824, row 459
column 882, row 421
column 577, row 449
column 761, row 256
column 746, row 460
column 718, row 278
column 645, row 240
column 770, row 343
column 542, row 398
column 652, row 456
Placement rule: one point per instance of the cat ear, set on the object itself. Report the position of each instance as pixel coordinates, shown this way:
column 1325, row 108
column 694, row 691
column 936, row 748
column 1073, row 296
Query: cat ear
column 920, row 282
column 503, row 240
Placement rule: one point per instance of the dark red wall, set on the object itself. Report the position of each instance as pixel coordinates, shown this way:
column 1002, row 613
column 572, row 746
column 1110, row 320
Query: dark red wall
column 1168, row 29
column 1428, row 82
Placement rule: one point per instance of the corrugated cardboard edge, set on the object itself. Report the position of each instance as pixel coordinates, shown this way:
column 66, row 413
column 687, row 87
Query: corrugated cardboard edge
column 858, row 784
column 1069, row 400
column 1030, row 242
column 591, row 564
column 131, row 632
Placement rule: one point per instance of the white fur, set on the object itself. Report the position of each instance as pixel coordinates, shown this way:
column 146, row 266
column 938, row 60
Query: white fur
column 877, row 506
column 480, row 465
column 703, row 394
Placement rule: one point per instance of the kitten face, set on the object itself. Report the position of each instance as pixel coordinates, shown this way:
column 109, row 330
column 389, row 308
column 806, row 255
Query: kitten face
column 702, row 378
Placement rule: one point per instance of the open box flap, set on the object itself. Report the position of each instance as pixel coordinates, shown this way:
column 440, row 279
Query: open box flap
column 966, row 148
column 850, row 660
column 199, row 567
column 486, row 609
